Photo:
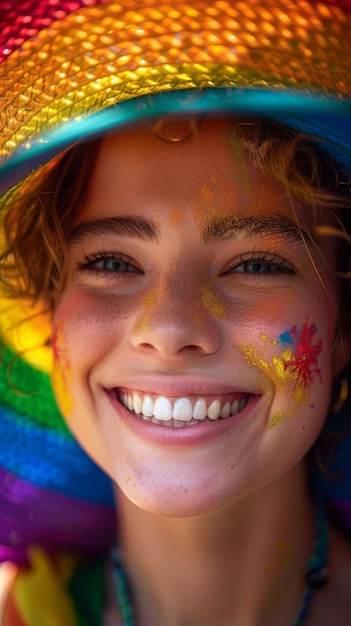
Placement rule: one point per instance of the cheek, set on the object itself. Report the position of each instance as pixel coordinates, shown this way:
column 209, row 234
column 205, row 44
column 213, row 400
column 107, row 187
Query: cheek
column 289, row 340
column 81, row 335
column 294, row 356
column 298, row 365
column 84, row 326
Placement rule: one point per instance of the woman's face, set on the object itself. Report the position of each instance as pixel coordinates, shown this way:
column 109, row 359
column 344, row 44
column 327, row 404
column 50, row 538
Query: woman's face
column 194, row 339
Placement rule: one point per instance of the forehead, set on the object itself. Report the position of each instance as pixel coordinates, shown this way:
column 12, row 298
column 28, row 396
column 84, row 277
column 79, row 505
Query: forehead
column 206, row 170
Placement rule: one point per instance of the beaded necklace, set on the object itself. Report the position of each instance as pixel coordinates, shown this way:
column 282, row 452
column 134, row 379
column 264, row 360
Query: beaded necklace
column 316, row 576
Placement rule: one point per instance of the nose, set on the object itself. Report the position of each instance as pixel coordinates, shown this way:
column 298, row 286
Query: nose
column 174, row 321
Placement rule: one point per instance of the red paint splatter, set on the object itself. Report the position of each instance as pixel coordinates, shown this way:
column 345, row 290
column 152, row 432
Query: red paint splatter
column 304, row 362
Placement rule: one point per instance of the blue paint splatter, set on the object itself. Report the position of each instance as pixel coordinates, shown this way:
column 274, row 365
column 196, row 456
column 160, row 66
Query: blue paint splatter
column 285, row 337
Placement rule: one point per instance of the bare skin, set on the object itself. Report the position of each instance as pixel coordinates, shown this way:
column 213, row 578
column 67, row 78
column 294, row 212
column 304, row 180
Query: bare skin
column 198, row 575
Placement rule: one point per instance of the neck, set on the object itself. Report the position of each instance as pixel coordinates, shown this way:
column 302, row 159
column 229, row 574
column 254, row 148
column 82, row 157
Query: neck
column 244, row 564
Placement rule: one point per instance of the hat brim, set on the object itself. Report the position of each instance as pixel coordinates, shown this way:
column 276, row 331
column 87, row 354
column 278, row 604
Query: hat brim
column 91, row 69
column 317, row 114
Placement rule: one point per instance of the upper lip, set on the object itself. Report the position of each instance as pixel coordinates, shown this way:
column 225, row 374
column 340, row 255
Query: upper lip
column 179, row 386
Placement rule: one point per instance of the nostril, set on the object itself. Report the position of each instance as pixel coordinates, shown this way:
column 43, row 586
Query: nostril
column 191, row 348
column 178, row 336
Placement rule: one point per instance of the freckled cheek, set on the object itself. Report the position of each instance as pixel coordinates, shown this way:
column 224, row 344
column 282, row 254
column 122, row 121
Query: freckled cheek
column 85, row 327
column 249, row 318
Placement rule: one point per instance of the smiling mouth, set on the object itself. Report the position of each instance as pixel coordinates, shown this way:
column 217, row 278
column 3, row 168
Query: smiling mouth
column 182, row 411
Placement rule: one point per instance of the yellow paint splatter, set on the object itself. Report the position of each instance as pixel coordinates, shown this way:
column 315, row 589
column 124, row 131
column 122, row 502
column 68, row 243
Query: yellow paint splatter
column 274, row 421
column 266, row 340
column 149, row 302
column 279, row 364
column 280, row 374
column 212, row 304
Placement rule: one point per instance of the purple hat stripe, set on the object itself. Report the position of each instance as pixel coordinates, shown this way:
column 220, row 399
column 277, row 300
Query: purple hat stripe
column 31, row 515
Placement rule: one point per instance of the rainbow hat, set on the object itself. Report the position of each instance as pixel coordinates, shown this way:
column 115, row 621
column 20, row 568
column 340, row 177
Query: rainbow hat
column 71, row 70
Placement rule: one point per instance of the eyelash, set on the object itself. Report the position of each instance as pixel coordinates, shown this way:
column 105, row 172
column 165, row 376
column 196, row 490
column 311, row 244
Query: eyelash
column 90, row 264
column 279, row 265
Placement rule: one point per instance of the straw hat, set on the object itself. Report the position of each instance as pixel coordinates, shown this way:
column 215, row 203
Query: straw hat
column 72, row 69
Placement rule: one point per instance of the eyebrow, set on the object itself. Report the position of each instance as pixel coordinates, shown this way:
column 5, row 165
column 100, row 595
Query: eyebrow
column 218, row 228
column 268, row 225
column 128, row 226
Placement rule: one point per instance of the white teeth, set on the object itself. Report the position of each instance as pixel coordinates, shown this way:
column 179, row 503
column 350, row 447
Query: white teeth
column 183, row 410
column 148, row 406
column 214, row 410
column 225, row 412
column 156, row 421
column 242, row 403
column 235, row 407
column 178, row 424
column 200, row 409
column 138, row 403
column 163, row 409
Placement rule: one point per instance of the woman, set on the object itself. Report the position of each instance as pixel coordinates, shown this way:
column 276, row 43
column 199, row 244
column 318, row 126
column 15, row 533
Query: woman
column 191, row 268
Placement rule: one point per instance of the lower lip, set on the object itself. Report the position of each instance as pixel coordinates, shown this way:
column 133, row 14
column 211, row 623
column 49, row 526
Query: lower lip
column 203, row 432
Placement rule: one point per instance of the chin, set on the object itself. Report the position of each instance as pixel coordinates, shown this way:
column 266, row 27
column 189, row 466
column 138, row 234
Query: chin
column 175, row 504
column 177, row 496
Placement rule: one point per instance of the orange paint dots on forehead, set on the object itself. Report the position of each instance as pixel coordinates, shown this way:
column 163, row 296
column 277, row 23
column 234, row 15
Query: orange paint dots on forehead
column 206, row 207
column 176, row 217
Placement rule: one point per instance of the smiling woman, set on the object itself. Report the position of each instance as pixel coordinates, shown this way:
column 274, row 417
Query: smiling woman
column 182, row 321
column 199, row 344
column 194, row 269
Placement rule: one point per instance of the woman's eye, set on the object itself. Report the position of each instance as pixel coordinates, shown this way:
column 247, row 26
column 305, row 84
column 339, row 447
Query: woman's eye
column 108, row 263
column 262, row 265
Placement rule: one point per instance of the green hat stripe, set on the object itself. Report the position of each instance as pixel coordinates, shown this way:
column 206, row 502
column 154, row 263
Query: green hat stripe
column 28, row 391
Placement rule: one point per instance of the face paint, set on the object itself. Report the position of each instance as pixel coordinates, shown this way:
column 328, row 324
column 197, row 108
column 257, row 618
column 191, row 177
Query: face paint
column 149, row 302
column 302, row 360
column 275, row 420
column 212, row 304
column 205, row 207
column 61, row 371
column 297, row 364
column 176, row 217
